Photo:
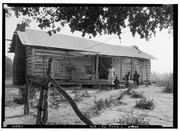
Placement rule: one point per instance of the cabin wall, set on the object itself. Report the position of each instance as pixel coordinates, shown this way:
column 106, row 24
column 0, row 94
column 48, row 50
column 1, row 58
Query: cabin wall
column 123, row 65
column 64, row 67
column 146, row 70
column 28, row 59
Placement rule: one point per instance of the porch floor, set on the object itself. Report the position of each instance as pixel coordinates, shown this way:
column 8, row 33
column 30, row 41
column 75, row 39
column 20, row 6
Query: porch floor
column 85, row 82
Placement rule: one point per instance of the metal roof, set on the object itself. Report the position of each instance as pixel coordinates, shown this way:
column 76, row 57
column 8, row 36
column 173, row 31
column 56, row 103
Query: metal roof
column 82, row 45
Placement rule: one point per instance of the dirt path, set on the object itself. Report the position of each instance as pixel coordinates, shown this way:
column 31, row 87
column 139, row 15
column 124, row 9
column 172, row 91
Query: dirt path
column 162, row 114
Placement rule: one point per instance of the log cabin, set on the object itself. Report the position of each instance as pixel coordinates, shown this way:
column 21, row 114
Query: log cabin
column 75, row 60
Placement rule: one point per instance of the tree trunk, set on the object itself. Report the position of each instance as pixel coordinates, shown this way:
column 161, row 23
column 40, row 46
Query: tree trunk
column 71, row 102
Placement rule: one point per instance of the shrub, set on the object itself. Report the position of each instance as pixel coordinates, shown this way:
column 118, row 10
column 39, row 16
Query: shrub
column 21, row 97
column 133, row 120
column 19, row 100
column 164, row 80
column 143, row 103
column 100, row 104
column 135, row 94
column 168, row 87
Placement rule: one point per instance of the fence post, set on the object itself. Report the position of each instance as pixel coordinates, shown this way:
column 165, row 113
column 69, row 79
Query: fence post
column 41, row 99
column 47, row 86
column 27, row 90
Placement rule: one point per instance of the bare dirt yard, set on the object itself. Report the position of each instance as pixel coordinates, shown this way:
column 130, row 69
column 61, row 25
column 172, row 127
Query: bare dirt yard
column 114, row 114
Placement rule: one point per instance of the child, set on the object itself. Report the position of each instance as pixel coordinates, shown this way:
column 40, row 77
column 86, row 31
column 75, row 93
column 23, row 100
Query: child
column 116, row 82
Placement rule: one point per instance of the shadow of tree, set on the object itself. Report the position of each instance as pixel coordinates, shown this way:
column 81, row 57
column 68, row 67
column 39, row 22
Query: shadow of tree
column 15, row 116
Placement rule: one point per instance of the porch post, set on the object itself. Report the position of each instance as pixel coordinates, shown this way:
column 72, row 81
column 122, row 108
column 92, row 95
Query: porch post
column 142, row 77
column 120, row 69
column 93, row 66
column 147, row 71
column 132, row 67
column 97, row 64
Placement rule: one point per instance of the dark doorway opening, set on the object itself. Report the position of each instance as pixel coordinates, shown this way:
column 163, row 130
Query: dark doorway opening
column 104, row 65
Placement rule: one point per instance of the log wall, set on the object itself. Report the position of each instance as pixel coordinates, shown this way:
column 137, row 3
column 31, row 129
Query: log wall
column 64, row 66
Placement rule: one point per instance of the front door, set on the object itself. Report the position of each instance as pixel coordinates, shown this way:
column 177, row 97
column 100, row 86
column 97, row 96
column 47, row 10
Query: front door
column 57, row 71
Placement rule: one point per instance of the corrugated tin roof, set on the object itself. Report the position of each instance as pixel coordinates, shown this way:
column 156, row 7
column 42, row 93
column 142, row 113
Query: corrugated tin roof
column 84, row 46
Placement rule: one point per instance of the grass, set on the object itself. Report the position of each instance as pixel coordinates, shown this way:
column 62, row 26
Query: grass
column 144, row 103
column 133, row 120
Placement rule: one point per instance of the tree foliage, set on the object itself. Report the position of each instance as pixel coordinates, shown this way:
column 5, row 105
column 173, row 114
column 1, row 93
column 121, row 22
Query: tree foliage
column 94, row 20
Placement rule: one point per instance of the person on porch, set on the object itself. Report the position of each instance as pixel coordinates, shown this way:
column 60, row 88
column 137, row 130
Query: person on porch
column 111, row 76
column 136, row 78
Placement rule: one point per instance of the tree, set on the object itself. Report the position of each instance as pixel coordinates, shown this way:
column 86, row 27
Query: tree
column 94, row 20
column 8, row 68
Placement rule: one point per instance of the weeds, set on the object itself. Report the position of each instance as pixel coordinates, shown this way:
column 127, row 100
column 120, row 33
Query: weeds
column 143, row 103
column 133, row 120
column 86, row 93
column 77, row 89
column 120, row 97
column 104, row 87
column 55, row 99
column 79, row 94
column 77, row 97
column 135, row 94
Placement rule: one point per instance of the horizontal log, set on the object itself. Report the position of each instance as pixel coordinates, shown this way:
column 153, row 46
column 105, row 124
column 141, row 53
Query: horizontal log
column 49, row 50
column 49, row 54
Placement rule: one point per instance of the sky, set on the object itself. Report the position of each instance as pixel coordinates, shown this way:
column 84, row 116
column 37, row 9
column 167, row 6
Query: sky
column 161, row 46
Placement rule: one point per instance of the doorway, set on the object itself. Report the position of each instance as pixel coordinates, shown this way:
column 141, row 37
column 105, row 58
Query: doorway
column 104, row 65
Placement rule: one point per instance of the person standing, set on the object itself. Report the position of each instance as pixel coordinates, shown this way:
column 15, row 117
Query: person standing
column 136, row 78
column 111, row 76
column 116, row 82
column 128, row 78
